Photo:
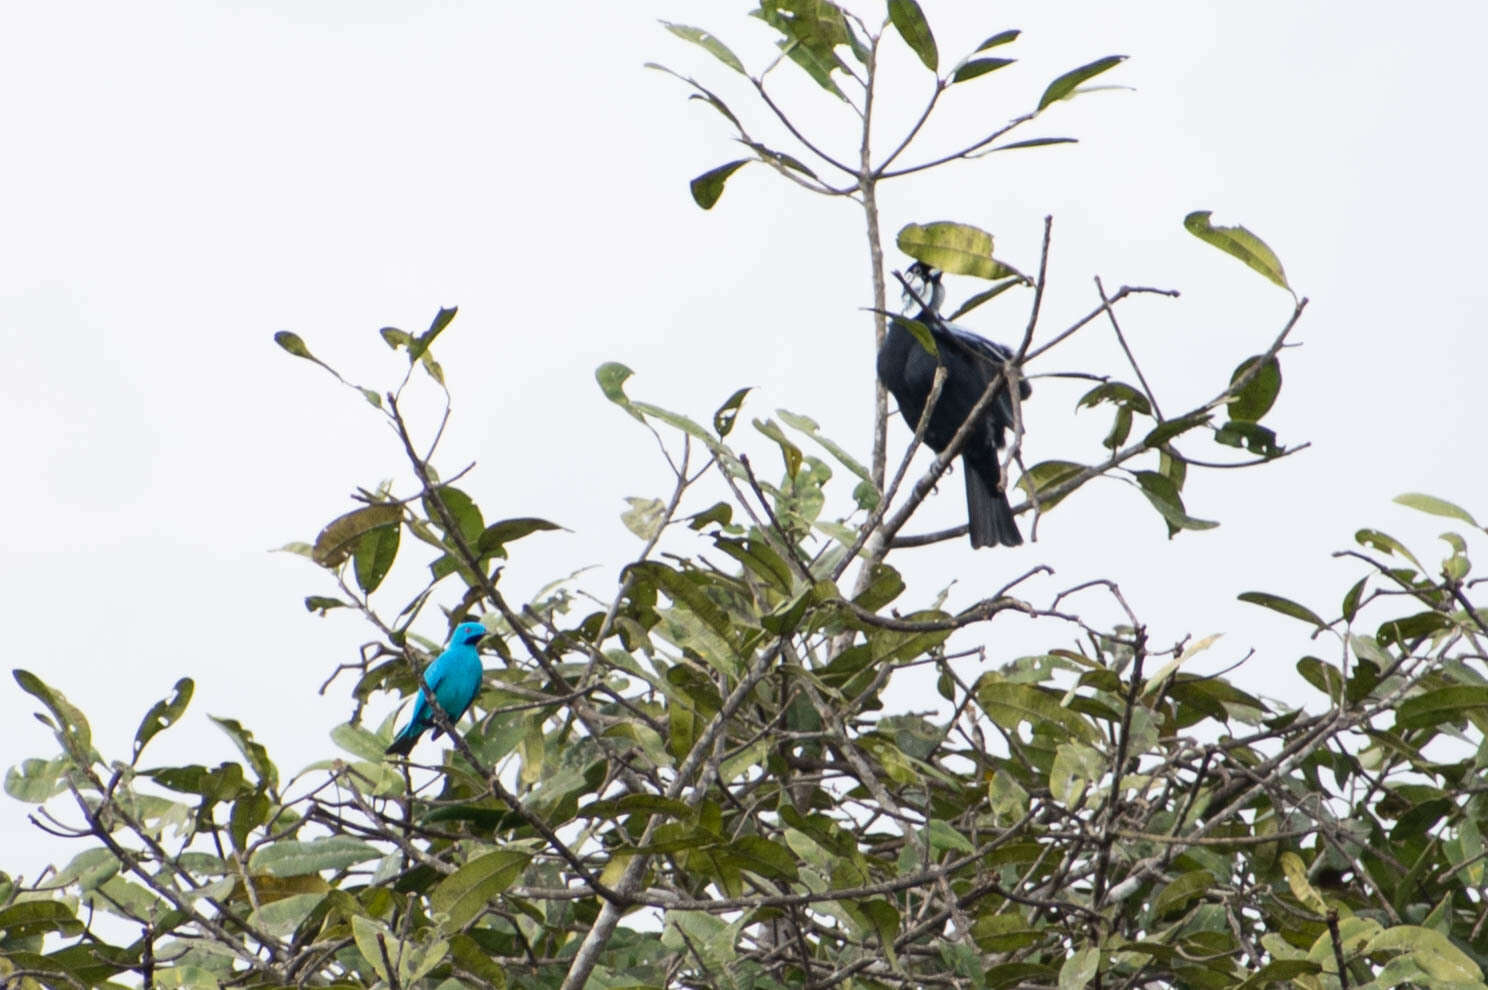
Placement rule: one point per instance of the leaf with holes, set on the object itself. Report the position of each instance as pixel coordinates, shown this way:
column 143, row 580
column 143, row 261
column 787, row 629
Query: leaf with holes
column 163, row 714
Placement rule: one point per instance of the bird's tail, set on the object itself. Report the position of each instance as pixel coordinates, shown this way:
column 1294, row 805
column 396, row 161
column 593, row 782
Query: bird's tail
column 404, row 741
column 988, row 511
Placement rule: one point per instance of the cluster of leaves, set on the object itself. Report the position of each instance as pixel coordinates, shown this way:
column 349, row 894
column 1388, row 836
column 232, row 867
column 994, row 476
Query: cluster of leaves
column 707, row 781
column 720, row 773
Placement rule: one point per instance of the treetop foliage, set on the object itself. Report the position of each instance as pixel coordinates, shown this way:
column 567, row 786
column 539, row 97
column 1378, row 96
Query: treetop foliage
column 718, row 772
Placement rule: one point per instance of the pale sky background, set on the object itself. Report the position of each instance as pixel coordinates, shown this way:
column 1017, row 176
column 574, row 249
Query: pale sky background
column 181, row 180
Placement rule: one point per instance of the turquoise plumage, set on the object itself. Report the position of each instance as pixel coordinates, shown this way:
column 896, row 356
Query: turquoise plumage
column 454, row 677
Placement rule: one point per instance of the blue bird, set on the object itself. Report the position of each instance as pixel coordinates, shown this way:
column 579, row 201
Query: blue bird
column 455, row 679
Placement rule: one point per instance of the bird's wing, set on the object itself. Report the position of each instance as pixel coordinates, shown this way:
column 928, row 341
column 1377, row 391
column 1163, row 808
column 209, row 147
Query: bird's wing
column 976, row 343
column 436, row 673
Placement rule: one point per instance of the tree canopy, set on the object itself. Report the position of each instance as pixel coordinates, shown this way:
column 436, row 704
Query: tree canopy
column 719, row 772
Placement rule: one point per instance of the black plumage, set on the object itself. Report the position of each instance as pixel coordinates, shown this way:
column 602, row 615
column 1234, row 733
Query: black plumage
column 971, row 361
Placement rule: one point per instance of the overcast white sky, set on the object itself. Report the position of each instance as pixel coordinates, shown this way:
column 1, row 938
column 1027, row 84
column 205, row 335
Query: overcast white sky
column 183, row 179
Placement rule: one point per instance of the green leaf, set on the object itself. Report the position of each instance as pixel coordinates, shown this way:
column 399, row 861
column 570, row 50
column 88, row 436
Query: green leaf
column 358, row 741
column 420, row 346
column 1238, row 243
column 33, row 780
column 645, row 516
column 163, row 714
column 760, row 855
column 465, row 893
column 637, row 804
column 341, row 535
column 1120, row 429
column 1063, row 87
column 724, row 416
column 1046, row 476
column 780, row 158
column 884, row 586
column 708, row 43
column 249, row 811
column 374, row 556
column 461, row 508
column 611, row 377
column 685, row 594
column 761, row 561
column 1182, row 892
column 293, row 858
column 1325, row 677
column 1074, row 769
column 1296, row 876
column 707, row 187
column 68, row 723
column 1079, row 969
column 1003, row 933
column 476, row 960
column 223, row 783
column 1285, row 606
column 1441, row 705
column 812, row 429
column 956, row 248
column 789, row 452
column 983, row 296
column 90, row 868
column 37, row 918
column 283, row 916
column 720, row 513
column 1168, row 429
column 495, row 537
column 972, row 68
column 415, row 960
column 1009, row 703
column 1406, row 629
column 292, row 343
column 943, row 836
column 1034, row 143
column 1163, row 495
column 1000, row 38
column 1172, row 465
column 322, row 604
column 1280, row 971
column 1252, row 436
column 253, row 751
column 919, row 331
column 812, row 30
column 373, row 940
column 709, row 98
column 1256, row 398
column 1117, row 393
column 1431, row 950
column 1351, row 600
column 1387, row 543
column 396, row 338
column 909, row 21
column 1435, row 506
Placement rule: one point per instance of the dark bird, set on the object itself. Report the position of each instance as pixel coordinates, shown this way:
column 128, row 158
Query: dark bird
column 971, row 361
